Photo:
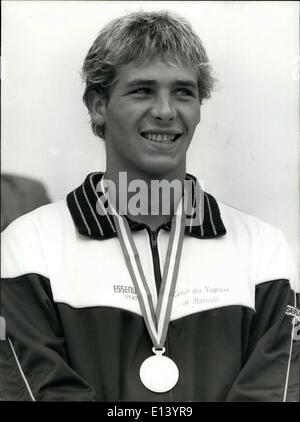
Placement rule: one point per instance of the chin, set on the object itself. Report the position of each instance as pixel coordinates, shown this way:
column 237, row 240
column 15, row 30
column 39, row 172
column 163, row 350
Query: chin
column 160, row 168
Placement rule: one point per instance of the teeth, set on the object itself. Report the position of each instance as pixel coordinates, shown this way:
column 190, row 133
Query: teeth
column 159, row 137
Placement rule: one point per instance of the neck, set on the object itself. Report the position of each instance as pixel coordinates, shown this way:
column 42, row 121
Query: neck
column 145, row 198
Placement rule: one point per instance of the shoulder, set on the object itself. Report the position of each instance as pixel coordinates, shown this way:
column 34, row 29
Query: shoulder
column 28, row 239
column 47, row 218
column 262, row 244
column 237, row 221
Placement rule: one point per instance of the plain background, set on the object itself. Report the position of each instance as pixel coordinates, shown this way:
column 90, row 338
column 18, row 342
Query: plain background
column 246, row 147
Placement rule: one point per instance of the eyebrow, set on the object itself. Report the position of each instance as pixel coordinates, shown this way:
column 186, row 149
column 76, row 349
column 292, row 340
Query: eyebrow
column 152, row 82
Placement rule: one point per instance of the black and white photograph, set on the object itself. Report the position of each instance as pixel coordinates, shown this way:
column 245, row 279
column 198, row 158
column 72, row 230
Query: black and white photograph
column 150, row 231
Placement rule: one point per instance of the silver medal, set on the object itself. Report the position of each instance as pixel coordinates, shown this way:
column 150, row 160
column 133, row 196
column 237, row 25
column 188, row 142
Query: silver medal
column 159, row 373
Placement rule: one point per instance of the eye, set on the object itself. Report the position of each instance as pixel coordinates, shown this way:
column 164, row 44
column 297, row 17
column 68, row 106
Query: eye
column 141, row 91
column 184, row 92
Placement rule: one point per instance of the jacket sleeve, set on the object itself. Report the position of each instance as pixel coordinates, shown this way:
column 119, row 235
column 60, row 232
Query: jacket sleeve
column 34, row 361
column 271, row 366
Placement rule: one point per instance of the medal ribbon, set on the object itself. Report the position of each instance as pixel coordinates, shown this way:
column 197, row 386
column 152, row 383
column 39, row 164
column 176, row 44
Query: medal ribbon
column 157, row 321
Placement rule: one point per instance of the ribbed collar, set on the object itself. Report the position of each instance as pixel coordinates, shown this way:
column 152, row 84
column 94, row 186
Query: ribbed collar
column 83, row 200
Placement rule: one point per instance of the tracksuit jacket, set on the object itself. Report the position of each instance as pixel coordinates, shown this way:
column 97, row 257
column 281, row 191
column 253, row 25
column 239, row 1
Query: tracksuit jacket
column 74, row 328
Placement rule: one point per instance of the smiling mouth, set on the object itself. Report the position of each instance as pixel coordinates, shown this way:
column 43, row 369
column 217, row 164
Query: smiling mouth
column 161, row 138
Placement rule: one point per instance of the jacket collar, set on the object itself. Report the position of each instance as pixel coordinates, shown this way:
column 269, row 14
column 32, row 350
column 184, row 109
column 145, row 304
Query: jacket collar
column 82, row 204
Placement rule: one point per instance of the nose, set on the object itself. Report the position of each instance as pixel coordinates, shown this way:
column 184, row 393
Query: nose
column 163, row 108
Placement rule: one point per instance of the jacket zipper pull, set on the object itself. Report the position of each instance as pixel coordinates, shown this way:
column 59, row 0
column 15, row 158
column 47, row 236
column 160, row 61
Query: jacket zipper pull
column 153, row 239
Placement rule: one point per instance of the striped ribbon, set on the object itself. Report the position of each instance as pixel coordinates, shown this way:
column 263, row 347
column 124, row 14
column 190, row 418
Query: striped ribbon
column 157, row 321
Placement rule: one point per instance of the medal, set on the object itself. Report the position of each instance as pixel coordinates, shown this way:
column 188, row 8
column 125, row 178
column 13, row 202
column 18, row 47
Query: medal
column 158, row 373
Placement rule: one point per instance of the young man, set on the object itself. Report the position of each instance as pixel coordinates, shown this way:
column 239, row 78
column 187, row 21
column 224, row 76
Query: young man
column 187, row 300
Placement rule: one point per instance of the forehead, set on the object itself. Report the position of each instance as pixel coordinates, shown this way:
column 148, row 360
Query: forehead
column 158, row 70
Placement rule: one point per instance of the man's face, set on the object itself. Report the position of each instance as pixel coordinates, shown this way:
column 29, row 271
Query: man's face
column 150, row 117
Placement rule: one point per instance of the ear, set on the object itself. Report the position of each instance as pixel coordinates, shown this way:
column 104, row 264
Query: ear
column 97, row 107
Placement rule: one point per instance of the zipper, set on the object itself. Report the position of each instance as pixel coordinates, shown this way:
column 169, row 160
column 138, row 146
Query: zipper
column 153, row 238
column 155, row 258
column 157, row 274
